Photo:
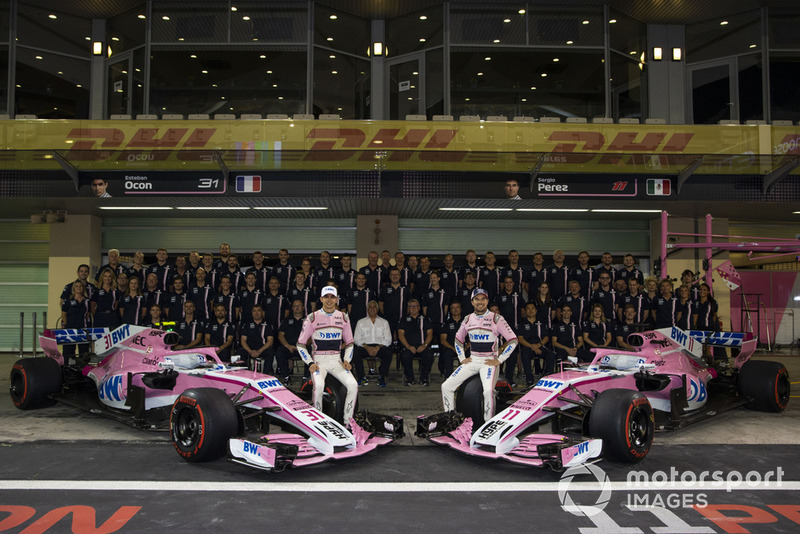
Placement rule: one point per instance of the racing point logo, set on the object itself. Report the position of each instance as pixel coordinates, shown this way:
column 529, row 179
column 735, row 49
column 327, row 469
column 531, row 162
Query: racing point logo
column 584, row 482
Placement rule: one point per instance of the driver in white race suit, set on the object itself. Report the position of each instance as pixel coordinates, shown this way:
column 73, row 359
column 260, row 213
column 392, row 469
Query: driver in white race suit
column 328, row 329
column 483, row 329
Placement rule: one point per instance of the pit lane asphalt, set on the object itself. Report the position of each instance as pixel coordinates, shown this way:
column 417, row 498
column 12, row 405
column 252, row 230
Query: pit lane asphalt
column 57, row 457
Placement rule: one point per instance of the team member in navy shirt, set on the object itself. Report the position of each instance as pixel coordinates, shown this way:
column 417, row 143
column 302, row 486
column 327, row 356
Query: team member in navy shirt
column 515, row 271
column 422, row 280
column 447, row 348
column 392, row 303
column 464, row 295
column 558, row 275
column 606, row 295
column 190, row 328
column 257, row 340
column 533, row 338
column 346, row 276
column 684, row 316
column 261, row 271
column 585, row 275
column 567, row 340
column 415, row 335
column 229, row 299
column 606, row 261
column 153, row 294
column 637, row 299
column 629, row 270
column 83, row 276
column 665, row 306
column 276, row 305
column 357, row 300
column 491, row 277
column 597, row 331
column 201, row 293
column 537, row 274
column 576, row 301
column 449, row 277
column 175, row 300
column 307, row 295
column 249, row 296
column 376, row 277
column 132, row 308
column 287, row 342
column 326, row 271
column 511, row 306
column 163, row 270
column 284, row 270
column 220, row 333
column 76, row 313
column 545, row 304
column 406, row 274
column 628, row 326
column 105, row 301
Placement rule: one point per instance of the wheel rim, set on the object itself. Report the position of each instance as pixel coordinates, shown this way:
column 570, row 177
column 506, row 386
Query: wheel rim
column 17, row 387
column 639, row 428
column 783, row 389
column 187, row 429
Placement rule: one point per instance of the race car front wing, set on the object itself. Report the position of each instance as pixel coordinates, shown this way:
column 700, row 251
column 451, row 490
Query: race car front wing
column 539, row 450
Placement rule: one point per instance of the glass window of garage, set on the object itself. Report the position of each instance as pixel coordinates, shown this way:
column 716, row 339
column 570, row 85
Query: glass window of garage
column 538, row 82
column 51, row 86
column 488, row 24
column 233, row 80
column 127, row 30
column 414, row 31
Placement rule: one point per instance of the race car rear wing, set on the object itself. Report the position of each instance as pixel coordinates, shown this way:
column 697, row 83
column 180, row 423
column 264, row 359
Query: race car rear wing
column 721, row 339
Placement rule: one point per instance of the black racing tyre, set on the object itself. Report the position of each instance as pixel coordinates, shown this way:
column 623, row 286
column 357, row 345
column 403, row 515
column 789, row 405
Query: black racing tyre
column 469, row 400
column 34, row 381
column 333, row 399
column 767, row 383
column 624, row 420
column 201, row 423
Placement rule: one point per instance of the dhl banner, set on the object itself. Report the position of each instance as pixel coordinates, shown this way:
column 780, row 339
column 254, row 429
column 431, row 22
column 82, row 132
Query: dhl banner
column 250, row 146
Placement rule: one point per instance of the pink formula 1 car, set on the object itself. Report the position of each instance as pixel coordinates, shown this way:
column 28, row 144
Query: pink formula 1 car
column 209, row 408
column 612, row 406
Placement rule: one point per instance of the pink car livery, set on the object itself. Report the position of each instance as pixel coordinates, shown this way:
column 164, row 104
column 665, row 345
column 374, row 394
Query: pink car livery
column 211, row 409
column 612, row 407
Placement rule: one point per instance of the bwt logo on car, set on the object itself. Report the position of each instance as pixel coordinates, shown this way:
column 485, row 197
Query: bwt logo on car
column 549, row 384
column 111, row 389
column 267, row 384
column 252, row 448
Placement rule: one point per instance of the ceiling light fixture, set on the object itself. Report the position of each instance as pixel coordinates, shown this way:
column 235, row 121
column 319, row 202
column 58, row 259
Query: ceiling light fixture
column 136, row 208
column 624, row 211
column 475, row 209
column 568, row 210
column 316, row 208
column 206, row 208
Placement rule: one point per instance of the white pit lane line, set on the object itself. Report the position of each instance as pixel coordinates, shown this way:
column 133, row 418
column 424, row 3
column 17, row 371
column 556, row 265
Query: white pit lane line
column 380, row 487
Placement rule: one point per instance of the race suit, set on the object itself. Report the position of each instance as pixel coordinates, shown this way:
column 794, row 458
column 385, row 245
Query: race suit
column 483, row 332
column 327, row 333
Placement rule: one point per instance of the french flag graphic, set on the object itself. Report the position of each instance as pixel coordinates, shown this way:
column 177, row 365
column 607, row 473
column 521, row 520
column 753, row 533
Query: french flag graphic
column 248, row 184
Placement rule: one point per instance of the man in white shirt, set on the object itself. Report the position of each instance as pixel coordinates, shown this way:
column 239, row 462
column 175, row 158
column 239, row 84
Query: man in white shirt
column 372, row 338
